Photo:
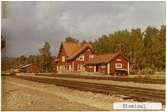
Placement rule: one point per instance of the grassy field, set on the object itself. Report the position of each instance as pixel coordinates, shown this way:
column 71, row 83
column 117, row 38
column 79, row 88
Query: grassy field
column 157, row 75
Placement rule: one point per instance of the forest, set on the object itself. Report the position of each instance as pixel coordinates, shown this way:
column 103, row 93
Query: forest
column 144, row 49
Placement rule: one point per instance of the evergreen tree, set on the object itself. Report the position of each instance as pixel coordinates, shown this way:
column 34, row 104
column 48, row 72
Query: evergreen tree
column 46, row 56
column 71, row 39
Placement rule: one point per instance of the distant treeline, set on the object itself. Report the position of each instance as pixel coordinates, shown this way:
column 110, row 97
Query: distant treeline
column 44, row 60
column 11, row 63
column 144, row 49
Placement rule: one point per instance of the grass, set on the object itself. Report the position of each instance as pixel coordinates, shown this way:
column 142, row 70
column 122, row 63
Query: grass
column 157, row 75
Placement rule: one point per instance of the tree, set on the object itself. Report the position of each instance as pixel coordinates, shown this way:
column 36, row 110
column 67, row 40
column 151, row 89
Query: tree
column 46, row 56
column 162, row 40
column 145, row 50
column 71, row 39
column 135, row 48
column 3, row 42
column 22, row 60
column 151, row 47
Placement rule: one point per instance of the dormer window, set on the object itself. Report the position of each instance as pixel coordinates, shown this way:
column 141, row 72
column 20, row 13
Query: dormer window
column 80, row 58
column 63, row 58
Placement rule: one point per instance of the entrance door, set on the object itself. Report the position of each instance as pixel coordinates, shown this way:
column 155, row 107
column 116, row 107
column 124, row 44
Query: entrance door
column 97, row 68
column 82, row 68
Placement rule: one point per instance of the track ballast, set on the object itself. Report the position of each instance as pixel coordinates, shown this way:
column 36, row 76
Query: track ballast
column 138, row 94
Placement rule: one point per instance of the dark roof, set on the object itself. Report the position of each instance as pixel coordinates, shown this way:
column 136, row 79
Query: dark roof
column 103, row 58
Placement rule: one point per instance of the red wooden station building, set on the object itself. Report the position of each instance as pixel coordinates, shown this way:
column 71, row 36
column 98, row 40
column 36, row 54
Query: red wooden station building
column 74, row 56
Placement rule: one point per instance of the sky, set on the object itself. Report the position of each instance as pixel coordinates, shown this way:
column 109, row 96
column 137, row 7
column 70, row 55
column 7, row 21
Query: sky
column 27, row 25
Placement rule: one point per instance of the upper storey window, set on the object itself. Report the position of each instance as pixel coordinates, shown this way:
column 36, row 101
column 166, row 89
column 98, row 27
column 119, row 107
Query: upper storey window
column 63, row 58
column 80, row 57
column 119, row 59
column 91, row 56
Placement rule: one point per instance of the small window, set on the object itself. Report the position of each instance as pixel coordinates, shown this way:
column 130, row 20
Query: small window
column 80, row 58
column 103, row 66
column 91, row 56
column 118, row 65
column 63, row 58
column 90, row 66
column 118, row 59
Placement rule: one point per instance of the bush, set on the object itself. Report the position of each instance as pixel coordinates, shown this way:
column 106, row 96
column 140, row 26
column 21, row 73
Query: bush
column 133, row 72
column 147, row 71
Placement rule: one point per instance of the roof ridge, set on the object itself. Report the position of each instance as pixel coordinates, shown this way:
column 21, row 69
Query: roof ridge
column 82, row 47
column 108, row 53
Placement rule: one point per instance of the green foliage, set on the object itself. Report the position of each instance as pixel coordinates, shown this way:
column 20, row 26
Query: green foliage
column 46, row 57
column 71, row 39
column 145, row 50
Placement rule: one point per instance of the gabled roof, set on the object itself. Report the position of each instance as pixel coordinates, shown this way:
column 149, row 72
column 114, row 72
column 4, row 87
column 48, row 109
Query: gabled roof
column 80, row 50
column 73, row 49
column 103, row 58
column 25, row 66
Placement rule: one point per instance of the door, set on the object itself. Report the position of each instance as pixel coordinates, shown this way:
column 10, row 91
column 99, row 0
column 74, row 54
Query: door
column 97, row 68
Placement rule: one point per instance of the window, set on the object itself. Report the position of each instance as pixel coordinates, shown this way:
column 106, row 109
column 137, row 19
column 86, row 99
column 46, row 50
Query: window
column 90, row 66
column 63, row 58
column 118, row 59
column 70, row 67
column 103, row 66
column 80, row 58
column 78, row 67
column 91, row 56
column 118, row 65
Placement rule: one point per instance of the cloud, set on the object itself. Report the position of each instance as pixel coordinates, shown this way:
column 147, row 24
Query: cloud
column 29, row 24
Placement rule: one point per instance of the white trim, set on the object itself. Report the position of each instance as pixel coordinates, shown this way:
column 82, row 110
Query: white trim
column 128, row 68
column 63, row 59
column 108, row 68
column 69, row 67
column 118, row 65
column 57, row 68
column 94, row 68
column 72, row 66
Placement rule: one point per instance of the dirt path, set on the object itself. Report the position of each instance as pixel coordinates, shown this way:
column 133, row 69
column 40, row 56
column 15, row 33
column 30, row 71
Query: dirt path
column 21, row 94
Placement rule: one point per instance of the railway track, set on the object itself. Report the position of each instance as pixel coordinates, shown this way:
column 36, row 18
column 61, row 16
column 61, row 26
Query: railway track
column 125, row 79
column 138, row 94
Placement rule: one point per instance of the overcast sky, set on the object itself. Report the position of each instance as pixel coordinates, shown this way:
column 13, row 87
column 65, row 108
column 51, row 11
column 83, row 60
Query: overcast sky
column 28, row 24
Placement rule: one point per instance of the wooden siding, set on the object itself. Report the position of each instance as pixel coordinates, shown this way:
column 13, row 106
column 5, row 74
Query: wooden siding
column 118, row 59
column 32, row 69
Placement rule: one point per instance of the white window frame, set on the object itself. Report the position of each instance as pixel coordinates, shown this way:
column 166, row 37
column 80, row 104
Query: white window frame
column 90, row 66
column 91, row 56
column 63, row 59
column 70, row 67
column 118, row 65
column 81, row 57
column 118, row 59
column 103, row 66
